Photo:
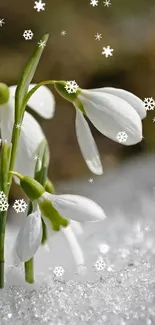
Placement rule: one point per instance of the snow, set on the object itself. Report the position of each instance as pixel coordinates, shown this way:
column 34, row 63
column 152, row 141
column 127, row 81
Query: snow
column 122, row 290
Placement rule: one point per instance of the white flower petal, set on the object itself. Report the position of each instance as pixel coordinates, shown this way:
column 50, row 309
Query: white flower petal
column 42, row 102
column 87, row 144
column 111, row 114
column 7, row 120
column 30, row 139
column 74, row 245
column 75, row 207
column 76, row 227
column 132, row 99
column 29, row 237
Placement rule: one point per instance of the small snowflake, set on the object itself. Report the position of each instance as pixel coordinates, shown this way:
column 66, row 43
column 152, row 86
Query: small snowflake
column 4, row 205
column 28, row 34
column 122, row 137
column 107, row 51
column 98, row 37
column 63, row 32
column 36, row 157
column 2, row 22
column 39, row 5
column 42, row 44
column 18, row 126
column 149, row 103
column 58, row 271
column 153, row 119
column 100, row 264
column 107, row 3
column 71, row 87
column 20, row 206
column 146, row 228
column 94, row 3
column 91, row 180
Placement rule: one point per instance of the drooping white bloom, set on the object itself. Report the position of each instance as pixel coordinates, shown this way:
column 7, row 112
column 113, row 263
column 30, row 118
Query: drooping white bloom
column 111, row 111
column 43, row 103
column 72, row 207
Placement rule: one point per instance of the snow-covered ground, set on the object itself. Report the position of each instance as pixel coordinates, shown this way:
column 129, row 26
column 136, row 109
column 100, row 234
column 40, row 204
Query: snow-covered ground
column 123, row 291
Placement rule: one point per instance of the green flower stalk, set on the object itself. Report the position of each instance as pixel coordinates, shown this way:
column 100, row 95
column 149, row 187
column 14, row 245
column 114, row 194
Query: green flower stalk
column 8, row 156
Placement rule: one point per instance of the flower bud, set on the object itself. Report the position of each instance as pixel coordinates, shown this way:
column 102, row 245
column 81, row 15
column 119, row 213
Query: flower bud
column 31, row 187
column 49, row 187
column 60, row 87
column 4, row 93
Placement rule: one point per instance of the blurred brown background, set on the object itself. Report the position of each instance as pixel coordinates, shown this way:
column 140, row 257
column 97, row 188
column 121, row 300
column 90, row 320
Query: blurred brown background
column 128, row 26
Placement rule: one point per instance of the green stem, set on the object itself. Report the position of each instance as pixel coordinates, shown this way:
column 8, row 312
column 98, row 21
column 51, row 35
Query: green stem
column 28, row 266
column 2, row 236
column 29, row 271
column 14, row 140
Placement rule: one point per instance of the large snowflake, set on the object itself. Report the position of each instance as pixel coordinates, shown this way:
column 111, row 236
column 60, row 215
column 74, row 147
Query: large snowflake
column 71, row 87
column 4, row 206
column 100, row 264
column 149, row 103
column 28, row 34
column 58, row 271
column 20, row 206
column 121, row 136
column 39, row 5
column 107, row 51
column 2, row 196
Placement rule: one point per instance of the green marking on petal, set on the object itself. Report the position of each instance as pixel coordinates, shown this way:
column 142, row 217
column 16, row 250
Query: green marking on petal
column 52, row 214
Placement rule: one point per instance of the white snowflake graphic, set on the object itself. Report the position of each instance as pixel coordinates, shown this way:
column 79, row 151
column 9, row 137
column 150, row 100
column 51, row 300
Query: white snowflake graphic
column 3, row 202
column 98, row 37
column 4, row 205
column 153, row 119
column 94, row 3
column 58, row 271
column 100, row 264
column 36, row 157
column 42, row 43
column 71, row 87
column 107, row 3
column 63, row 33
column 18, row 126
column 39, row 5
column 28, row 35
column 149, row 103
column 91, row 180
column 20, row 206
column 2, row 196
column 107, row 51
column 121, row 136
column 146, row 228
column 2, row 22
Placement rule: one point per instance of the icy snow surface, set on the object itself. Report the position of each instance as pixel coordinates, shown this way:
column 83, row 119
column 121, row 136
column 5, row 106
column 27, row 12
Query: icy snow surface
column 118, row 286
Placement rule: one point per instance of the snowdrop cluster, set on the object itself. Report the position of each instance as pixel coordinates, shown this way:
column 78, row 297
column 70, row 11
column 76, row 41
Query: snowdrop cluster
column 110, row 110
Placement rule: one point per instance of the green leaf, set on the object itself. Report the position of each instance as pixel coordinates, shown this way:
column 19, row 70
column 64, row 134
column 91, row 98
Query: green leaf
column 42, row 163
column 27, row 77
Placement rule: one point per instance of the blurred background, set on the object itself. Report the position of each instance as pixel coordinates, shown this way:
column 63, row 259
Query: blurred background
column 127, row 26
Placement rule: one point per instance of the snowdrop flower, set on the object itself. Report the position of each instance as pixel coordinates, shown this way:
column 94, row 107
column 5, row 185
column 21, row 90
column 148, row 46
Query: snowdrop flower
column 42, row 102
column 50, row 207
column 111, row 111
